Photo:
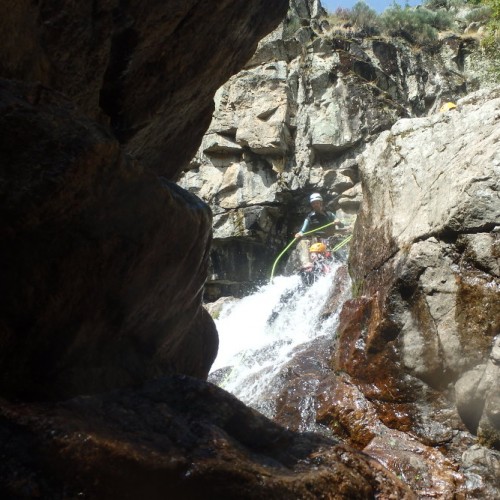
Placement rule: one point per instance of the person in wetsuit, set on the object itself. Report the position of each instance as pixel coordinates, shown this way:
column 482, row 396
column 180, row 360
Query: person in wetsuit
column 318, row 266
column 318, row 217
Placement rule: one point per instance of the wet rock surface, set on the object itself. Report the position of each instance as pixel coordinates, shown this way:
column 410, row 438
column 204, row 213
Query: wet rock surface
column 177, row 437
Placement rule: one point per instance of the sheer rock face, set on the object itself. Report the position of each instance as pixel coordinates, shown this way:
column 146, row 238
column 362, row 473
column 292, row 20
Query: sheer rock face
column 127, row 63
column 421, row 341
column 294, row 120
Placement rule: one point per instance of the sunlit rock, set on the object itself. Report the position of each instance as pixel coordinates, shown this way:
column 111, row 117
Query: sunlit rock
column 305, row 105
column 422, row 328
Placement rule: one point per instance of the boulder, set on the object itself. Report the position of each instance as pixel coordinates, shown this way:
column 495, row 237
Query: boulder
column 424, row 262
column 96, row 295
column 176, row 438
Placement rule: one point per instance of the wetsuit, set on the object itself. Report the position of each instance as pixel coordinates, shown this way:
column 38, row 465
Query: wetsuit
column 315, row 220
column 319, row 267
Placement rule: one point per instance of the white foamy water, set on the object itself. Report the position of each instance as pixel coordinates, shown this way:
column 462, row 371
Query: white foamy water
column 259, row 333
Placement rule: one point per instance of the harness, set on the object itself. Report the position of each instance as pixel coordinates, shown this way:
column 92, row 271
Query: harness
column 318, row 220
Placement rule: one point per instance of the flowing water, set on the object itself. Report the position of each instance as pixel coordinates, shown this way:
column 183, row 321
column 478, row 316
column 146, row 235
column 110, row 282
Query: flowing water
column 261, row 333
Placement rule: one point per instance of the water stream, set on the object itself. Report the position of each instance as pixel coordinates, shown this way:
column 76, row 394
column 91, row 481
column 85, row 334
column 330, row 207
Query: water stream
column 261, row 333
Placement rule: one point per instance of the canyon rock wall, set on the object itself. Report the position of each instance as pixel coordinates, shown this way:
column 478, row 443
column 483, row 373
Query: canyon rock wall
column 294, row 120
column 414, row 378
column 411, row 375
column 420, row 341
column 430, row 218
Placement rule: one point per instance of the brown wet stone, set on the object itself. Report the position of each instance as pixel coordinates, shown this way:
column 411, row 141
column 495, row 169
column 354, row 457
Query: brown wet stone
column 176, row 438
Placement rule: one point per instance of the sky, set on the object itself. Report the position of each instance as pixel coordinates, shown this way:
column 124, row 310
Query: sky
column 378, row 5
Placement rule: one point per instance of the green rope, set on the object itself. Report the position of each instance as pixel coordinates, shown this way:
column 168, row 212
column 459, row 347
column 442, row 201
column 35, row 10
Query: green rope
column 295, row 239
column 342, row 243
column 279, row 257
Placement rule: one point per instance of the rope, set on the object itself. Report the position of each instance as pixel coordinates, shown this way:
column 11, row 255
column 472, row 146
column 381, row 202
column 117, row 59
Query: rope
column 340, row 245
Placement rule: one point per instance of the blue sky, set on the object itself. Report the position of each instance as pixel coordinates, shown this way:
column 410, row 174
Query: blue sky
column 378, row 5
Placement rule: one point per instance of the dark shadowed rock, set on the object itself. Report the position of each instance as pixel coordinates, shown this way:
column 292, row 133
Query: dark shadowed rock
column 96, row 293
column 177, row 438
column 104, row 261
column 150, row 69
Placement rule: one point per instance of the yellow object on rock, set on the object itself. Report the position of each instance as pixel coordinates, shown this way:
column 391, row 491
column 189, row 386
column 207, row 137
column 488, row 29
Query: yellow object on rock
column 447, row 106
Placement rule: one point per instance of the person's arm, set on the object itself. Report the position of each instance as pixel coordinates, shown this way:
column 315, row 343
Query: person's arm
column 335, row 220
column 303, row 229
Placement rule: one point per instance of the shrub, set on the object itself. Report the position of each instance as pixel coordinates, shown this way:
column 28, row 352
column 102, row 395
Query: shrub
column 342, row 13
column 364, row 18
column 444, row 4
column 481, row 14
column 491, row 42
column 441, row 20
column 339, row 17
column 416, row 25
column 436, row 4
column 291, row 25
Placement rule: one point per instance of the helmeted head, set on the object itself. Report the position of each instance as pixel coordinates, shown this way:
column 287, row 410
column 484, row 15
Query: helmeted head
column 315, row 197
column 317, row 248
column 316, row 201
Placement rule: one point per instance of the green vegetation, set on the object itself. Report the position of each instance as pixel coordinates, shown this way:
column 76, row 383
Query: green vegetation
column 418, row 26
column 292, row 25
column 364, row 18
column 481, row 14
column 357, row 288
column 491, row 39
column 421, row 25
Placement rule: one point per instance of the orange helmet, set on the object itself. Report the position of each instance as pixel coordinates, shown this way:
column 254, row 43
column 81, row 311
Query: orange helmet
column 318, row 247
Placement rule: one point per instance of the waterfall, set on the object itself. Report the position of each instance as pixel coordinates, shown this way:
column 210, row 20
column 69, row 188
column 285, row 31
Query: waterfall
column 261, row 333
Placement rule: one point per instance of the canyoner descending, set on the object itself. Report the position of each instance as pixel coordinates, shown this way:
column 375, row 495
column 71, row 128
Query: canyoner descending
column 337, row 247
column 324, row 228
